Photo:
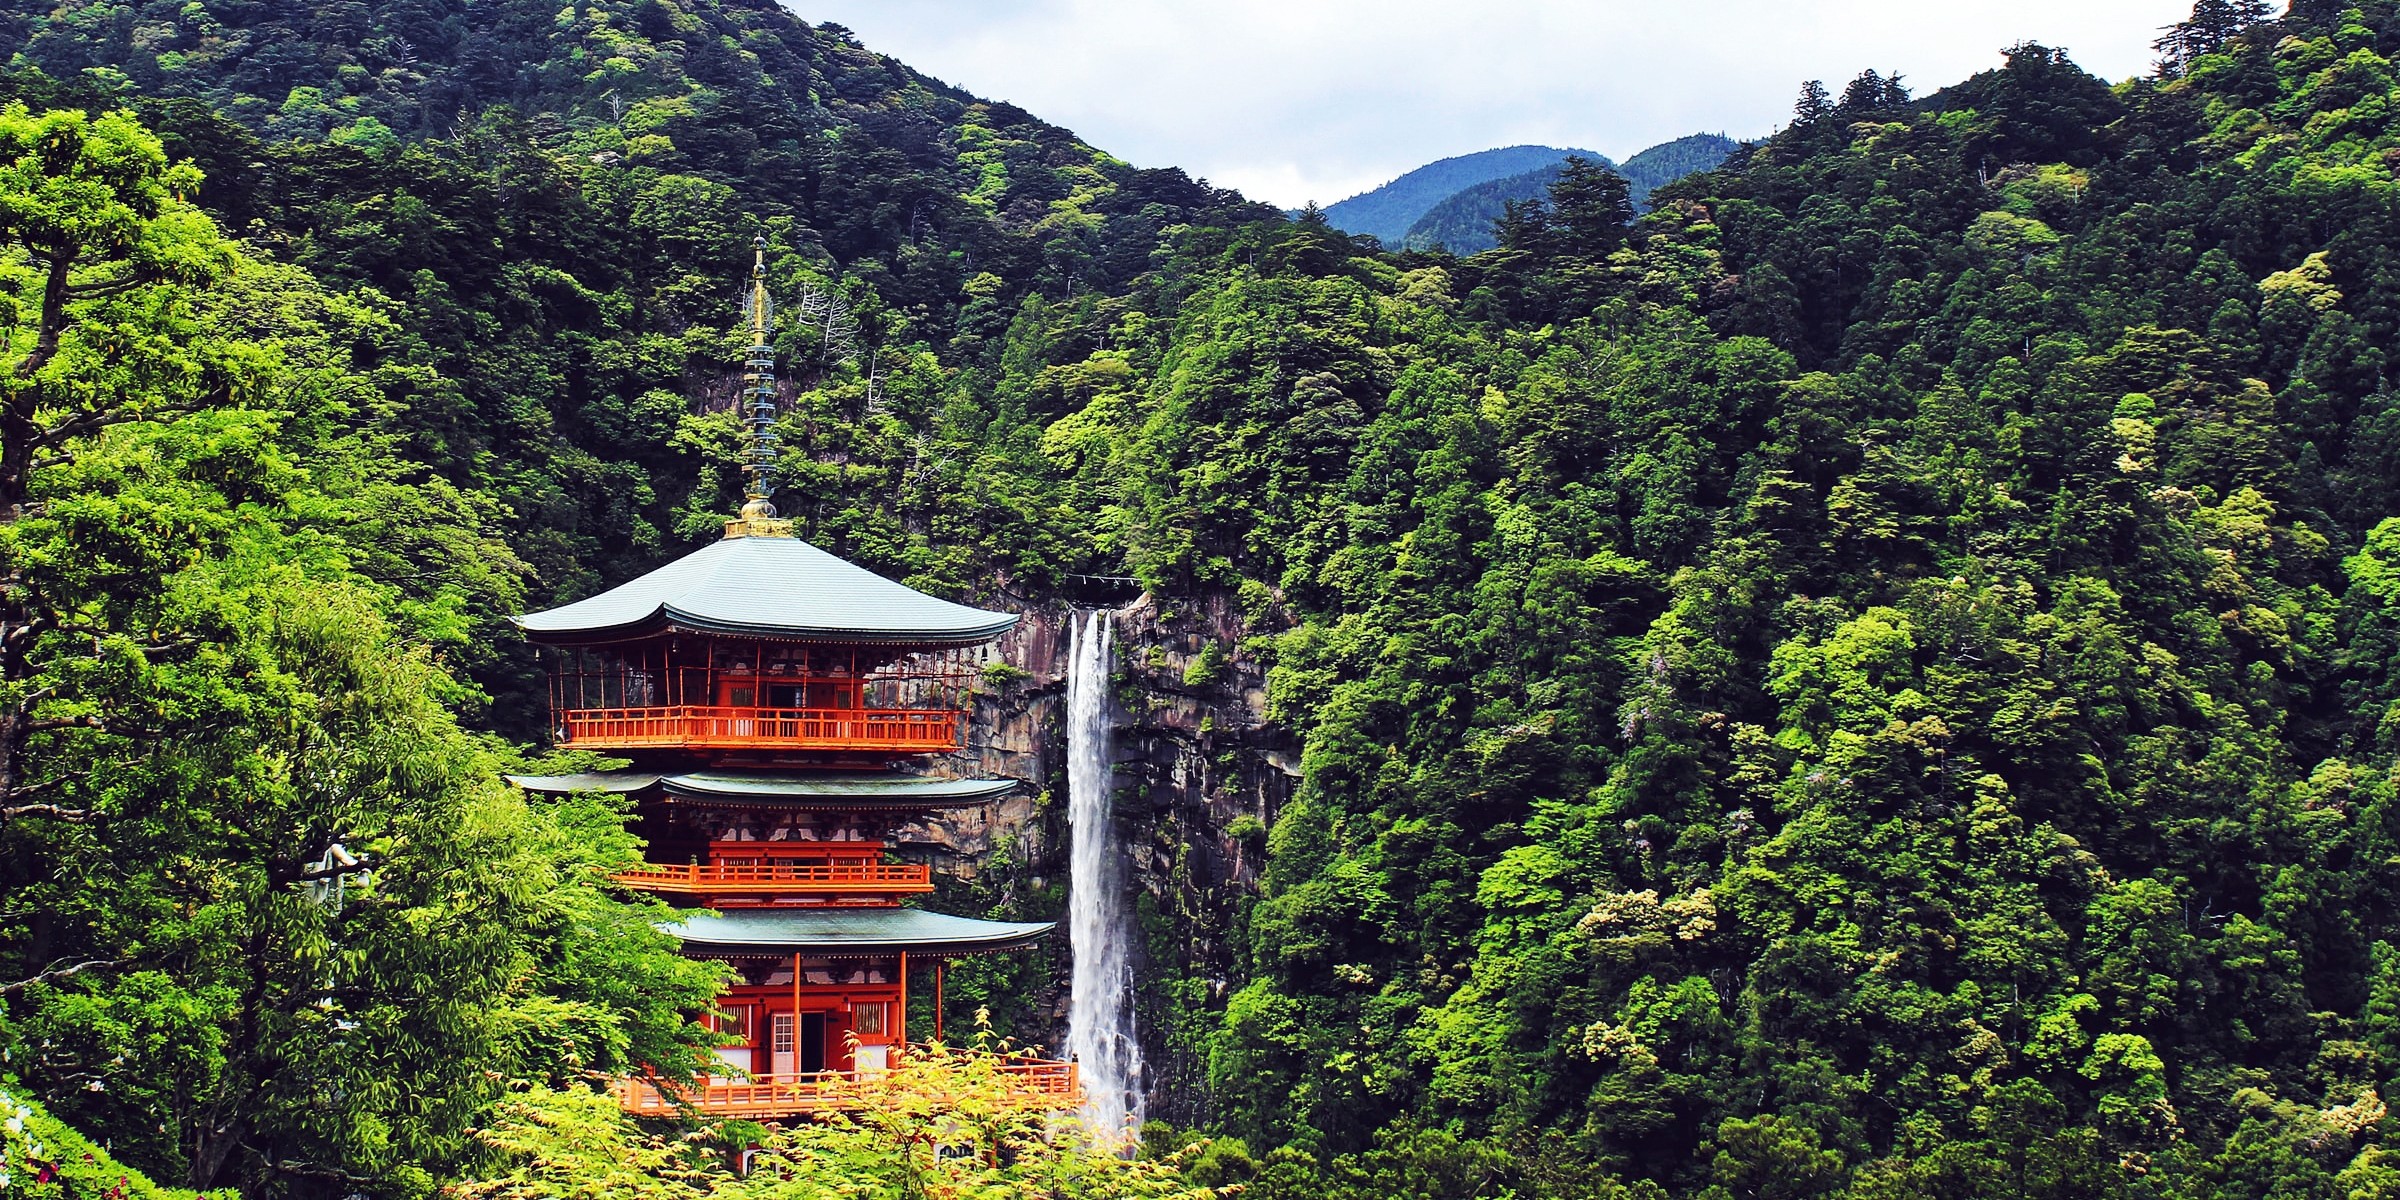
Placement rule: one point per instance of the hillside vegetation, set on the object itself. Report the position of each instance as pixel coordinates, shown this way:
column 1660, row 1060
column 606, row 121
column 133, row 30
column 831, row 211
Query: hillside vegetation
column 1877, row 678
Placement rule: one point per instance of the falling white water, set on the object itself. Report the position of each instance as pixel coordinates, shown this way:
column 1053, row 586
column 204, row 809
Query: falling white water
column 1099, row 930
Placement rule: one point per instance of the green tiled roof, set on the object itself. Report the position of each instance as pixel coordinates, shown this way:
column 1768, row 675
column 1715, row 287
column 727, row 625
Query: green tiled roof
column 800, row 790
column 619, row 782
column 850, row 931
column 905, row 791
column 768, row 587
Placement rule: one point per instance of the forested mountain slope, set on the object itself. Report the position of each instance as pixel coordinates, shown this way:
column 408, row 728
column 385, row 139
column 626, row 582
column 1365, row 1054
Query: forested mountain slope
column 1388, row 211
column 1876, row 678
column 1657, row 166
column 1884, row 668
column 556, row 234
column 1462, row 222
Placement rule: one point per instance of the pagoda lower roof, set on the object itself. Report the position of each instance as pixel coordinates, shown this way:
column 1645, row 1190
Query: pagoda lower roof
column 848, row 932
column 767, row 587
column 784, row 789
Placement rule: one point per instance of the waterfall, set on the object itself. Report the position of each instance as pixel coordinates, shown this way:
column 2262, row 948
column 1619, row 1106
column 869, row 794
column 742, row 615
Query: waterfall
column 1099, row 928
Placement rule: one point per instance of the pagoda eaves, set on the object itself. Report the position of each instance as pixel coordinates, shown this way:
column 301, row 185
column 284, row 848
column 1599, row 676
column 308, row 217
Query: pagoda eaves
column 854, row 790
column 838, row 932
column 767, row 587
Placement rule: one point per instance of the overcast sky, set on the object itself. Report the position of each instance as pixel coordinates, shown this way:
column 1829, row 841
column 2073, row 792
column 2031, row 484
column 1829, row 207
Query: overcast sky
column 1296, row 100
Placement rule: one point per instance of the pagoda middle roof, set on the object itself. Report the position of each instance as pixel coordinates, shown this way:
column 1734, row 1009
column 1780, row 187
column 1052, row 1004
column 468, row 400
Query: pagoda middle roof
column 798, row 790
column 776, row 587
column 839, row 932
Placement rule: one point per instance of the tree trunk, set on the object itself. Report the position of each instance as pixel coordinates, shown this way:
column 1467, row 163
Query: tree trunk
column 18, row 411
column 20, row 404
column 215, row 1145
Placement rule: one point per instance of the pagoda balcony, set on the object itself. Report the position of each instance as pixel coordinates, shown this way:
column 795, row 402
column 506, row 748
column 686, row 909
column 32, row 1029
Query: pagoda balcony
column 1033, row 1082
column 782, row 879
column 720, row 727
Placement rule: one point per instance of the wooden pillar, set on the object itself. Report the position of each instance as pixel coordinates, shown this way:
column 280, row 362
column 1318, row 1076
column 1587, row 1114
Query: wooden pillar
column 900, row 1025
column 797, row 1057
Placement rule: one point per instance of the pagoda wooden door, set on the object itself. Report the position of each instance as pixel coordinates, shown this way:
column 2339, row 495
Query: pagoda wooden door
column 812, row 1043
column 784, row 1065
column 742, row 698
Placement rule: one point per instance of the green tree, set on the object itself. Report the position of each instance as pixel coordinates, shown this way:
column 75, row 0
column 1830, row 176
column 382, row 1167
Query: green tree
column 227, row 656
column 2213, row 23
column 1590, row 206
column 1772, row 1158
column 105, row 251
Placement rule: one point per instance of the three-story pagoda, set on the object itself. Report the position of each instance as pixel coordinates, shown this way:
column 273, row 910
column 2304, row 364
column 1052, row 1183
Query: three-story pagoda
column 774, row 700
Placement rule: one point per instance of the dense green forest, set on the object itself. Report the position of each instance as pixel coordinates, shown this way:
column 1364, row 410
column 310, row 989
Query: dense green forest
column 1876, row 677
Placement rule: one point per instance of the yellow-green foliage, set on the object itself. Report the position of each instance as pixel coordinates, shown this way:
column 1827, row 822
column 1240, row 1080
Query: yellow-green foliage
column 41, row 1158
column 948, row 1126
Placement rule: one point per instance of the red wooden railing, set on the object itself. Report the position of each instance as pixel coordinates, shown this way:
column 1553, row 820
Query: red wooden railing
column 714, row 878
column 715, row 726
column 1034, row 1081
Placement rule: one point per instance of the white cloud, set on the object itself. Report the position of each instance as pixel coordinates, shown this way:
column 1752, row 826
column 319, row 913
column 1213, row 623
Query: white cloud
column 1292, row 100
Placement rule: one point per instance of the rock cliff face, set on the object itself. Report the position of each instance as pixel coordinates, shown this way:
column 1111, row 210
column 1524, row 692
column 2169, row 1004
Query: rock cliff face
column 1200, row 775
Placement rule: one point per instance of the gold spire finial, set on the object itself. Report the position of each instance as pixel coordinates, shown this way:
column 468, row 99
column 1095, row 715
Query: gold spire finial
column 758, row 414
column 758, row 291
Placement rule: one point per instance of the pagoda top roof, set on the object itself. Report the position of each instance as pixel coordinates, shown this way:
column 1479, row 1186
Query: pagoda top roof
column 849, row 932
column 771, row 587
column 794, row 790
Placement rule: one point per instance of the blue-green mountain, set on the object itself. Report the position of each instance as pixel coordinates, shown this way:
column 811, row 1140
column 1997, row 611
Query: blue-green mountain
column 1462, row 222
column 1389, row 211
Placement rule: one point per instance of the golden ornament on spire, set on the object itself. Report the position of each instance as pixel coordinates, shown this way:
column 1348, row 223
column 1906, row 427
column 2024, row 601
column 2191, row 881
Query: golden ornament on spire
column 760, row 443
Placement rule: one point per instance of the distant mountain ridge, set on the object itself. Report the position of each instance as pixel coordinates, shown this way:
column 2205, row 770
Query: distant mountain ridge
column 1667, row 162
column 1389, row 211
column 1462, row 221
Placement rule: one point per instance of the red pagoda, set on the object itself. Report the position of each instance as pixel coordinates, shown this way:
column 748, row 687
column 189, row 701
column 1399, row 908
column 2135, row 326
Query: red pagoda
column 779, row 705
